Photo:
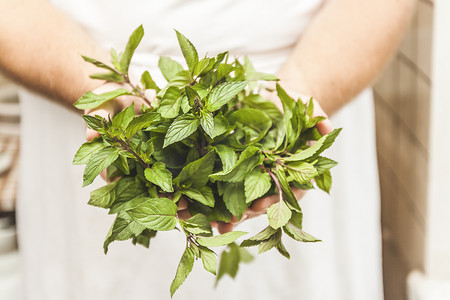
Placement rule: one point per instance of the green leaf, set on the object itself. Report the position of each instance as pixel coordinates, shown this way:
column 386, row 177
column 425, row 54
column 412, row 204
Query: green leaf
column 98, row 162
column 268, row 244
column 159, row 175
column 220, row 125
column 140, row 122
column 298, row 234
column 148, row 83
column 152, row 213
column 184, row 268
column 229, row 262
column 278, row 214
column 249, row 159
column 144, row 238
column 203, row 66
column 322, row 164
column 96, row 123
column 98, row 63
column 288, row 195
column 223, row 93
column 267, row 106
column 302, row 172
column 197, row 224
column 234, row 198
column 207, row 122
column 122, row 230
column 170, row 105
column 127, row 188
column 109, row 76
column 227, row 156
column 122, row 119
column 189, row 51
column 280, row 247
column 262, row 236
column 209, row 259
column 257, row 184
column 203, row 195
column 254, row 120
column 195, row 174
column 169, row 68
column 91, row 100
column 181, row 128
column 321, row 145
column 104, row 196
column 132, row 44
column 220, row 240
column 86, row 151
column 323, row 181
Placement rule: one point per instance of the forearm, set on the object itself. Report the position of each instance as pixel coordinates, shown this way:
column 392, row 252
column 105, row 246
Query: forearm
column 345, row 48
column 40, row 47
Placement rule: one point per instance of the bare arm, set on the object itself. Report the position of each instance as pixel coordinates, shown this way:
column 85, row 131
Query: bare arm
column 344, row 49
column 40, row 47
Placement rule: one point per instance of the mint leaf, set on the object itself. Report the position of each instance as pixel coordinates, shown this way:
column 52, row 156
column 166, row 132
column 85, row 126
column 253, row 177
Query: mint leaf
column 220, row 240
column 249, row 159
column 321, row 145
column 209, row 259
column 298, row 234
column 91, row 100
column 148, row 83
column 227, row 156
column 262, row 236
column 195, row 174
column 159, row 175
column 257, row 184
column 302, row 172
column 122, row 230
column 184, row 268
column 104, row 196
column 170, row 105
column 86, row 151
column 220, row 125
column 203, row 195
column 255, row 121
column 169, row 68
column 223, row 93
column 323, row 181
column 122, row 119
column 98, row 162
column 152, row 213
column 234, row 198
column 268, row 244
column 189, row 51
column 207, row 122
column 198, row 225
column 229, row 262
column 132, row 44
column 181, row 128
column 278, row 214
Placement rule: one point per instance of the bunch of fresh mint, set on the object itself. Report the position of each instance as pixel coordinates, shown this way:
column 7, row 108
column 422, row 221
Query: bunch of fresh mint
column 210, row 138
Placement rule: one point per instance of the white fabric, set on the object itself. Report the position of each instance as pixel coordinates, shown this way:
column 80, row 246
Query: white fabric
column 61, row 236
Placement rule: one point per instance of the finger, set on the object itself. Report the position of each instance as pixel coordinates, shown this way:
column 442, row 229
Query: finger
column 260, row 206
column 182, row 204
column 184, row 214
column 224, row 227
column 325, row 126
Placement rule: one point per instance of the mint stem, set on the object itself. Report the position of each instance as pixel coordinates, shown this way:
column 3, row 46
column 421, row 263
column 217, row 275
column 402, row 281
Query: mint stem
column 275, row 179
column 135, row 89
column 126, row 147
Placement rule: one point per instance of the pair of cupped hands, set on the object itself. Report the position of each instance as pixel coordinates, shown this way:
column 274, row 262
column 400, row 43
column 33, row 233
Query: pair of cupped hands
column 259, row 206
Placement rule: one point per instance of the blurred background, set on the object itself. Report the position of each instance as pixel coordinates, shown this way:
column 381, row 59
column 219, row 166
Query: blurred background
column 412, row 101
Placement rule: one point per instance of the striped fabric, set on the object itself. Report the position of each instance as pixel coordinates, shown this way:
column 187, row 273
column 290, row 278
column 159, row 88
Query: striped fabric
column 9, row 147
